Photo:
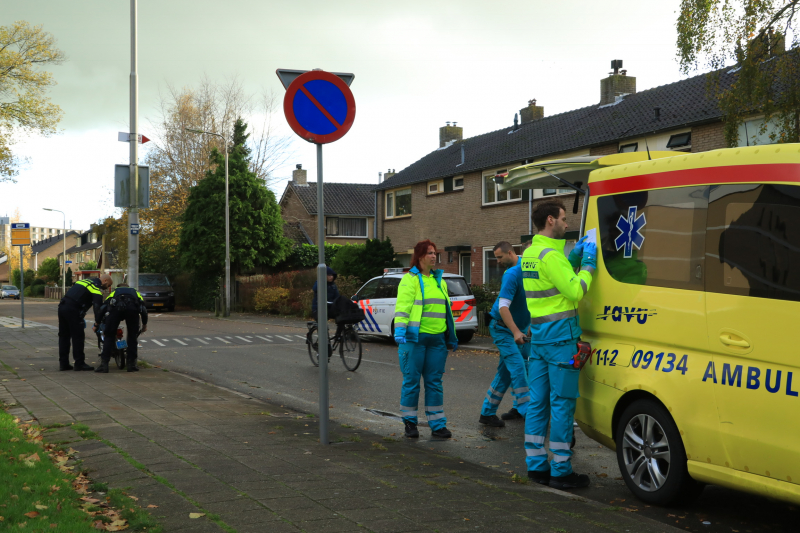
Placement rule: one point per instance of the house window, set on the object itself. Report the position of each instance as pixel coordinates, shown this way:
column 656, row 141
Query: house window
column 435, row 187
column 398, row 203
column 549, row 192
column 625, row 148
column 458, row 183
column 491, row 194
column 439, row 258
column 492, row 271
column 346, row 227
column 449, row 257
column 680, row 141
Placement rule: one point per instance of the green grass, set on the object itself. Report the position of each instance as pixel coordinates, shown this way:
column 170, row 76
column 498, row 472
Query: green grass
column 355, row 438
column 27, row 484
column 98, row 487
column 138, row 519
column 84, row 431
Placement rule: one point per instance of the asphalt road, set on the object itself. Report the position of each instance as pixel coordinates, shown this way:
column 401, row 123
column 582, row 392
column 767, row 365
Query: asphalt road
column 267, row 358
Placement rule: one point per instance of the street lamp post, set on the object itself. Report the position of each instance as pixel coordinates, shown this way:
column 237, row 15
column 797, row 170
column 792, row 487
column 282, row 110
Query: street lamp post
column 64, row 253
column 227, row 311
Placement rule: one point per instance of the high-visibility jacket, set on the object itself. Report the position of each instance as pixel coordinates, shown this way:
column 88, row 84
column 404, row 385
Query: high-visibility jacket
column 553, row 290
column 87, row 293
column 127, row 298
column 419, row 314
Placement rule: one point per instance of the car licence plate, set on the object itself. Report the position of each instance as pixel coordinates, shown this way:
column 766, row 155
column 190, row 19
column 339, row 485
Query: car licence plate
column 122, row 344
column 157, row 304
column 456, row 314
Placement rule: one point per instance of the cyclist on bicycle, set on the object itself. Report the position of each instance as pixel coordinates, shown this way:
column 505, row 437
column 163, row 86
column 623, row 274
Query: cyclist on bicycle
column 333, row 294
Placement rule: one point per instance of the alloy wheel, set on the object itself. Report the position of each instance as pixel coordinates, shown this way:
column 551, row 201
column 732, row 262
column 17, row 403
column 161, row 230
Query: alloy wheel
column 646, row 452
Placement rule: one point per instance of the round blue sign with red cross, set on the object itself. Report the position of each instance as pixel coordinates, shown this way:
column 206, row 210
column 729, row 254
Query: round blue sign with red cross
column 319, row 107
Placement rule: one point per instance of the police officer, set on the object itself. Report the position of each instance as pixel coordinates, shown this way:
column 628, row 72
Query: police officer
column 553, row 290
column 72, row 309
column 124, row 303
column 510, row 323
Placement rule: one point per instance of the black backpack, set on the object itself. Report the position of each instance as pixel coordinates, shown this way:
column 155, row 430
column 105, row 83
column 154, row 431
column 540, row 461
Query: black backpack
column 346, row 311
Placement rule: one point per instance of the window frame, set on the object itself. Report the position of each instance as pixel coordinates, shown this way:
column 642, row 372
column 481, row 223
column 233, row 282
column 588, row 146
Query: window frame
column 518, row 249
column 458, row 187
column 623, row 146
column 338, row 233
column 439, row 184
column 680, row 147
column 491, row 174
column 393, row 194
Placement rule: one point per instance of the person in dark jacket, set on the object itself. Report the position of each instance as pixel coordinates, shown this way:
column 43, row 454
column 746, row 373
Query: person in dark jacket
column 123, row 304
column 83, row 295
column 333, row 293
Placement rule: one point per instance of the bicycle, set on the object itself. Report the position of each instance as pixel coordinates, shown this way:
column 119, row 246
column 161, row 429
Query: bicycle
column 348, row 342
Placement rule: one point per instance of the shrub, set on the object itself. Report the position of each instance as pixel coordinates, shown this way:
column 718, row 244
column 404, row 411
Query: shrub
column 365, row 261
column 348, row 285
column 486, row 294
column 37, row 290
column 305, row 302
column 306, row 256
column 270, row 298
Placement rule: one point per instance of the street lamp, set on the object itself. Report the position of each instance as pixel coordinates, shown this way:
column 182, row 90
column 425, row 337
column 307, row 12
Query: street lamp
column 64, row 241
column 227, row 311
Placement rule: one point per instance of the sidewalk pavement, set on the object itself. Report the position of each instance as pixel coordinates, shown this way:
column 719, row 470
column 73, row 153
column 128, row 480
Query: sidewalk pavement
column 252, row 466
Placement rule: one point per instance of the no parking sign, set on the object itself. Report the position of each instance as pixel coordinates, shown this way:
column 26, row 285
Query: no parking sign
column 319, row 107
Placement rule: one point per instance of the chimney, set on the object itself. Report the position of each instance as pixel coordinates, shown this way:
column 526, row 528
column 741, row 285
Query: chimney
column 616, row 84
column 388, row 174
column 449, row 134
column 299, row 176
column 531, row 113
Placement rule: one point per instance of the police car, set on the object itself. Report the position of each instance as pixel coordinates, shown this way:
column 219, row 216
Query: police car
column 378, row 297
column 691, row 315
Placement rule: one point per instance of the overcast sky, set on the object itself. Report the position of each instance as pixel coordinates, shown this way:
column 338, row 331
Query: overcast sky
column 417, row 65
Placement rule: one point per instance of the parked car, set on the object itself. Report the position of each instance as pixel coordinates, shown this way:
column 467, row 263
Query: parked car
column 690, row 315
column 9, row 291
column 157, row 291
column 378, row 297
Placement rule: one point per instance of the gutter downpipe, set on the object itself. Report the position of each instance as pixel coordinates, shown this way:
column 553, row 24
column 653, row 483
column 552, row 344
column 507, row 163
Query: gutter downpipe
column 530, row 212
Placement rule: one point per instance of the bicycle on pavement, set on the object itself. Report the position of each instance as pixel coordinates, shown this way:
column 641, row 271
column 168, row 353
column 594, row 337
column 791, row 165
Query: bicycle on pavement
column 346, row 339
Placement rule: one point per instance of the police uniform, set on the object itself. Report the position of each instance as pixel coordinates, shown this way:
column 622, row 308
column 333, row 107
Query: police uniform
column 124, row 304
column 511, row 371
column 424, row 328
column 84, row 294
column 553, row 290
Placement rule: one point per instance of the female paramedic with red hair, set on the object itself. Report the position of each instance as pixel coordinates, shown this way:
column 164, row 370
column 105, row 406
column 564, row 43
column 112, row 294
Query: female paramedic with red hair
column 424, row 330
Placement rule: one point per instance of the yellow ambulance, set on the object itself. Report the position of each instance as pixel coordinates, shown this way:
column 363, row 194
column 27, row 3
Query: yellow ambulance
column 691, row 315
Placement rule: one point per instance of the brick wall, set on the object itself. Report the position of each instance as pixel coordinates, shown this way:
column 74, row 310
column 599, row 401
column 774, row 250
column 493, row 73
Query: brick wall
column 708, row 137
column 606, row 149
column 458, row 219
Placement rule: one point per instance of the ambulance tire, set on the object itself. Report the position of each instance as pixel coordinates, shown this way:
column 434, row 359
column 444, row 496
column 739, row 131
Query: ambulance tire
column 675, row 484
column 464, row 336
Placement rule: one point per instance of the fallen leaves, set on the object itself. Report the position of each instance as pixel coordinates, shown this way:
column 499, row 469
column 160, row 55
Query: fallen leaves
column 196, row 515
column 32, row 514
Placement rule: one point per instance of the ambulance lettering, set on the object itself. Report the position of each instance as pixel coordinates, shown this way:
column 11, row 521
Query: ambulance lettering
column 665, row 362
column 732, row 376
column 618, row 312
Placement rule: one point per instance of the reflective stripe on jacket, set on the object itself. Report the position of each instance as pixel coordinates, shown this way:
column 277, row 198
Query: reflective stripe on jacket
column 119, row 291
column 552, row 290
column 414, row 311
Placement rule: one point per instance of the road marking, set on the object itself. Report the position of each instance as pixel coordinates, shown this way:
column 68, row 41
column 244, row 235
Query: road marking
column 155, row 341
column 284, row 338
column 262, row 338
column 249, row 337
column 226, row 337
column 140, row 340
column 208, row 338
column 180, row 342
column 245, row 340
column 201, row 340
column 300, row 337
column 186, row 339
column 164, row 340
column 221, row 339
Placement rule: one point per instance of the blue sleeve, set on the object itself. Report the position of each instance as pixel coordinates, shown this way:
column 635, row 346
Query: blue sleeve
column 508, row 288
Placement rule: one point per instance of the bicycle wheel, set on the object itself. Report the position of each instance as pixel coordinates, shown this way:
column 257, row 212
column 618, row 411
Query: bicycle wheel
column 312, row 341
column 350, row 349
column 119, row 358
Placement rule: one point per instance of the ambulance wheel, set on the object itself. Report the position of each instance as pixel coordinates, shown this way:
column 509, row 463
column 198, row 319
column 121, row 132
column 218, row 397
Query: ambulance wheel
column 651, row 456
column 464, row 336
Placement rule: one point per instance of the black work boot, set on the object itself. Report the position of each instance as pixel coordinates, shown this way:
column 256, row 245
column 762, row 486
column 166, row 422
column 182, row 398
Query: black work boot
column 571, row 481
column 492, row 421
column 132, row 365
column 513, row 414
column 82, row 366
column 411, row 430
column 541, row 477
column 443, row 433
column 103, row 367
column 64, row 366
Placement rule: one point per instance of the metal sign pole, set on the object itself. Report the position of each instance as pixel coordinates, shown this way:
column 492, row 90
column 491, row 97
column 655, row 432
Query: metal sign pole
column 22, row 285
column 133, row 212
column 322, row 308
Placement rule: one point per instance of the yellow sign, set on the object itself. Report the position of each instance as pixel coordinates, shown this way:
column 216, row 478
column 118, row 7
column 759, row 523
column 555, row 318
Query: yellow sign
column 20, row 234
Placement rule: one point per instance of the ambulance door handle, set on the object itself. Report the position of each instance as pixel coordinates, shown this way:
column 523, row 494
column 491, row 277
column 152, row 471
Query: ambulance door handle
column 726, row 338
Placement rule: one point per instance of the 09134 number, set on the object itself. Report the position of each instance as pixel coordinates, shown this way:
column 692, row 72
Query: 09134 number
column 665, row 362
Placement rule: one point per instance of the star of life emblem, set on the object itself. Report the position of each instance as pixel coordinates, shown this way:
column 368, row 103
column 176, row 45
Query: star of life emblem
column 630, row 229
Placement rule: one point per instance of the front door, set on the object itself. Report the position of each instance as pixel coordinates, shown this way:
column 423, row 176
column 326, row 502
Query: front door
column 466, row 267
column 753, row 301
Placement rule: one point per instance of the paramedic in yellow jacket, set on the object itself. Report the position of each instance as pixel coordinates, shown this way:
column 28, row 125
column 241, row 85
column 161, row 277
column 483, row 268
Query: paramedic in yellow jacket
column 424, row 330
column 553, row 287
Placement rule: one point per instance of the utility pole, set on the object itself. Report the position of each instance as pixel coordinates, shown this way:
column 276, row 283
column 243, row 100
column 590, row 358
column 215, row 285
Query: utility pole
column 133, row 212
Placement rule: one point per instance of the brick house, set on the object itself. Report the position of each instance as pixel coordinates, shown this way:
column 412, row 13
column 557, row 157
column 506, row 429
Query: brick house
column 449, row 195
column 349, row 210
column 40, row 250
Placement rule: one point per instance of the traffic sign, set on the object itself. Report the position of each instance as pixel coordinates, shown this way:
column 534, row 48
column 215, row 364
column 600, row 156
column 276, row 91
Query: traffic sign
column 68, row 262
column 124, row 137
column 20, row 234
column 319, row 107
column 134, row 229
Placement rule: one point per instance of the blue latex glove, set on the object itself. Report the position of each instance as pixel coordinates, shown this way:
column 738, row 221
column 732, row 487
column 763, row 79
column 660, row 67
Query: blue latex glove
column 577, row 253
column 589, row 258
column 400, row 335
